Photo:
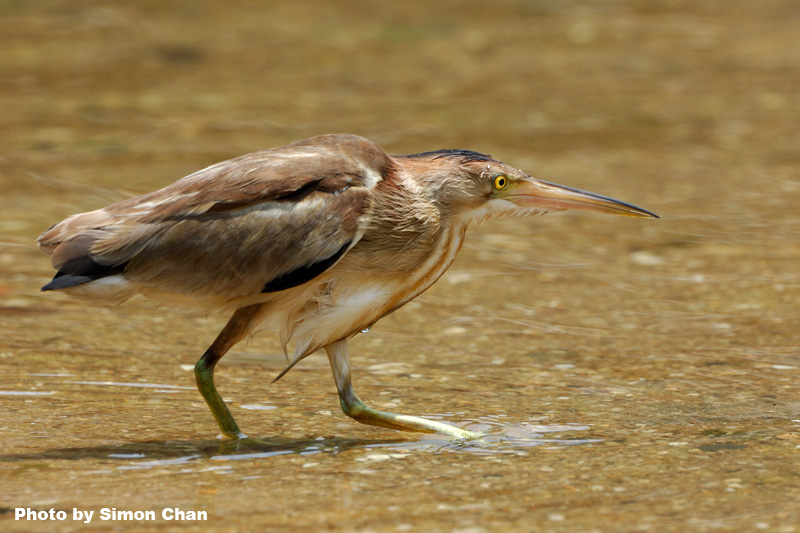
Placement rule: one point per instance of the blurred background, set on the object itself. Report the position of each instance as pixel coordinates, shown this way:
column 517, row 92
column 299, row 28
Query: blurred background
column 676, row 341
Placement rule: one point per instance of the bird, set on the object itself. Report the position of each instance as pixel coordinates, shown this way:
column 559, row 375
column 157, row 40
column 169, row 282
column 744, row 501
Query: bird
column 316, row 240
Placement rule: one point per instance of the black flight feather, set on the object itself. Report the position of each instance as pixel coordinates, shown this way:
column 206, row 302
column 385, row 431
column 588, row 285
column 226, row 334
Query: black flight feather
column 303, row 274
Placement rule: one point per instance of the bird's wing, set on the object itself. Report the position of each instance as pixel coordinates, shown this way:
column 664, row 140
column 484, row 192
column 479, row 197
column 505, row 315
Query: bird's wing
column 263, row 222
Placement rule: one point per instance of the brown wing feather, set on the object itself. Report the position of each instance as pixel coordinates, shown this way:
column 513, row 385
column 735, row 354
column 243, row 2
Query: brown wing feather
column 229, row 229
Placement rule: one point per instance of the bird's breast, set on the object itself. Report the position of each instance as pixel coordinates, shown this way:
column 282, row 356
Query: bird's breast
column 363, row 296
column 349, row 298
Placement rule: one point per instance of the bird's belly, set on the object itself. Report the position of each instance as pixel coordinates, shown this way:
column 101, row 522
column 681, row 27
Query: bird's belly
column 356, row 300
column 349, row 307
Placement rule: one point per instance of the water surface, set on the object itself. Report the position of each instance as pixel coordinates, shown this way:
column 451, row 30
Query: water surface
column 629, row 375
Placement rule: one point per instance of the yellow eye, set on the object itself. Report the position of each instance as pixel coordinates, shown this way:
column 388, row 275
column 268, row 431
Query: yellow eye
column 500, row 182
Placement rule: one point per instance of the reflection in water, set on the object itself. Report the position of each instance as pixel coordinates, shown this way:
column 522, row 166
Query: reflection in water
column 24, row 393
column 141, row 385
column 258, row 407
column 160, row 462
column 499, row 438
column 254, row 455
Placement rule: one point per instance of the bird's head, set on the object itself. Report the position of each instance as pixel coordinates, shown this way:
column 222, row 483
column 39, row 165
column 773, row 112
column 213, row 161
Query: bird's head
column 474, row 187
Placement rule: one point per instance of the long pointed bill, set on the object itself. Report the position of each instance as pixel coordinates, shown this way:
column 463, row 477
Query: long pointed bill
column 536, row 193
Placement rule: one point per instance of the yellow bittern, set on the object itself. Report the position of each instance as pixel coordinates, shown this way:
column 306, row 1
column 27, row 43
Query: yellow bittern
column 318, row 239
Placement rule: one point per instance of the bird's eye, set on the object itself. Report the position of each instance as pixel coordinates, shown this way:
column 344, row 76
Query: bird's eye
column 500, row 182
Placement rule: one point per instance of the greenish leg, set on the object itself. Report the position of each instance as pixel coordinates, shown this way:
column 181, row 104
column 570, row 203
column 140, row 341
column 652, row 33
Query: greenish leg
column 237, row 327
column 359, row 411
column 204, row 374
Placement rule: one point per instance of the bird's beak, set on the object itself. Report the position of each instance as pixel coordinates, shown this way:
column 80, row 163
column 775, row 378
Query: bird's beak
column 531, row 192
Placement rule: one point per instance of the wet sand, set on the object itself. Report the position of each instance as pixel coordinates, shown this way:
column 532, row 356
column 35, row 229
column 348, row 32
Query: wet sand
column 630, row 374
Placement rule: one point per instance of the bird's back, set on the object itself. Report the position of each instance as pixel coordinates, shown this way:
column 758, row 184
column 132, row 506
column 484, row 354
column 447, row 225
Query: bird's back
column 271, row 217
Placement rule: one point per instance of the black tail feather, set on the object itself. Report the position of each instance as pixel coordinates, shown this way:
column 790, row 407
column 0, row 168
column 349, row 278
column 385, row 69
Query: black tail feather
column 81, row 271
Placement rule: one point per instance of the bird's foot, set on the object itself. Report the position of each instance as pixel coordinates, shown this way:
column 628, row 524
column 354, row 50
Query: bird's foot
column 360, row 412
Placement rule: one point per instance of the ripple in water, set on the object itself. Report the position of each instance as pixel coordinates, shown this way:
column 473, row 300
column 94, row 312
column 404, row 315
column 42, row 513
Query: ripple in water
column 500, row 438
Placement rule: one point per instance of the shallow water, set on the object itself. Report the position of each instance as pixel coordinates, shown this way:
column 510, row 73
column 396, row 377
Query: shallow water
column 628, row 375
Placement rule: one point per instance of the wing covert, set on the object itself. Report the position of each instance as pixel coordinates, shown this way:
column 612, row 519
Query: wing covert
column 263, row 221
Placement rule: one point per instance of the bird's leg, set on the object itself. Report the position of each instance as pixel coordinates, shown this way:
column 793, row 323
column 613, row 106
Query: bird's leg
column 236, row 328
column 359, row 411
